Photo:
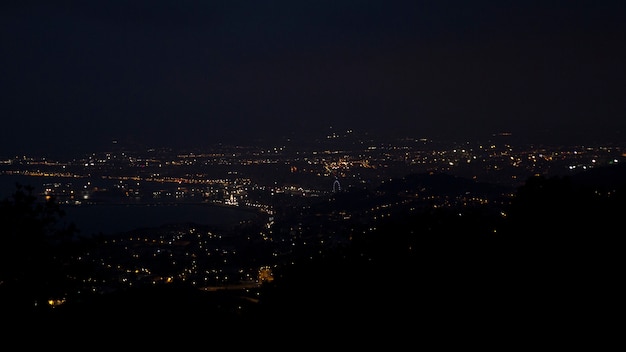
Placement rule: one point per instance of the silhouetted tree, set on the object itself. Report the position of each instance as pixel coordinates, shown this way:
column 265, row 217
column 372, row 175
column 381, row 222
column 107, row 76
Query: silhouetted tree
column 33, row 250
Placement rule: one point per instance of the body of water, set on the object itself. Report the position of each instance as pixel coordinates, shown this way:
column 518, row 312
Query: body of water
column 115, row 218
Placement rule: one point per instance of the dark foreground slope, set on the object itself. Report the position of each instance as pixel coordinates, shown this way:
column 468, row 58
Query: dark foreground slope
column 547, row 267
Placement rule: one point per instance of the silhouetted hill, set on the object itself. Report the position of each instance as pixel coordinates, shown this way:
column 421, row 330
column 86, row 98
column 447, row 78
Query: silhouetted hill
column 441, row 184
column 173, row 308
column 551, row 259
column 604, row 177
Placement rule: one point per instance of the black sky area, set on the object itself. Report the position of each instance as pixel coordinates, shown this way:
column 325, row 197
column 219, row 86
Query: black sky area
column 75, row 75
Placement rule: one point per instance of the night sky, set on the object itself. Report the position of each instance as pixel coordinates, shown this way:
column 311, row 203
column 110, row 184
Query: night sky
column 77, row 75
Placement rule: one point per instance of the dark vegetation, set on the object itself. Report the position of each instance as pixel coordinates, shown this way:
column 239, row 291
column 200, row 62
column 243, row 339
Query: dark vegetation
column 553, row 260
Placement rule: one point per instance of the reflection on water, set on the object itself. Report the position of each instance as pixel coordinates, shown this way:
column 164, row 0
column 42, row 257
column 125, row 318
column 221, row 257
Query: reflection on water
column 114, row 218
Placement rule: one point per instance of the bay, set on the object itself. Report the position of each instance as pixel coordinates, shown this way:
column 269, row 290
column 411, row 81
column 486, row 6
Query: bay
column 113, row 218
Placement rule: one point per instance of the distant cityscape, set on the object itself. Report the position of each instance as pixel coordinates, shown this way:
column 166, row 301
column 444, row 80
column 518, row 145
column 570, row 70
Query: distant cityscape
column 308, row 198
column 244, row 175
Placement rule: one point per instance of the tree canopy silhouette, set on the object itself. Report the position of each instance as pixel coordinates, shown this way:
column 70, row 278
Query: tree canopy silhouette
column 33, row 250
